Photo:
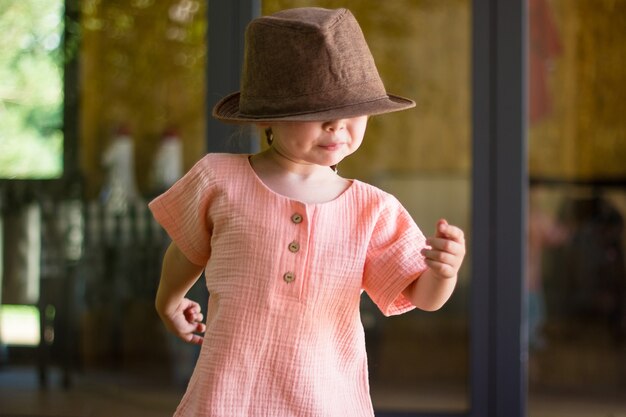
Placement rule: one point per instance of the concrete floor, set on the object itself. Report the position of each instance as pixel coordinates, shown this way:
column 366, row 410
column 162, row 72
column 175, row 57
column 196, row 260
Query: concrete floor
column 91, row 395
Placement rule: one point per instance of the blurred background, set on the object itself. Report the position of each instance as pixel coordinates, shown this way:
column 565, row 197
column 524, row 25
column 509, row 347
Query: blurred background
column 104, row 104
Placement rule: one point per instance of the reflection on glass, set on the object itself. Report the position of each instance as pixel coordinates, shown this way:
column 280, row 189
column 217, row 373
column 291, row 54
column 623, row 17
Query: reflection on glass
column 143, row 71
column 418, row 361
column 31, row 91
column 577, row 206
column 142, row 122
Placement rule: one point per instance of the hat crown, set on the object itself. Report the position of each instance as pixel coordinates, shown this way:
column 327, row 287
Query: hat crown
column 306, row 60
column 313, row 18
column 307, row 64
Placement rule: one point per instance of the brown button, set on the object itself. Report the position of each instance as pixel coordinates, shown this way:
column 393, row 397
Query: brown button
column 289, row 277
column 294, row 247
column 296, row 218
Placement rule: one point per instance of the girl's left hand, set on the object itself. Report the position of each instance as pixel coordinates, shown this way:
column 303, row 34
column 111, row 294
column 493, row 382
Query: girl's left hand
column 447, row 250
column 185, row 321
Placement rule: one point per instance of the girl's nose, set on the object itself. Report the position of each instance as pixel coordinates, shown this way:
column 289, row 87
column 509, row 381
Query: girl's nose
column 334, row 125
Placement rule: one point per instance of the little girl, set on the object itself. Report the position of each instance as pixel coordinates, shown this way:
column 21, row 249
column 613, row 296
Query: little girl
column 286, row 244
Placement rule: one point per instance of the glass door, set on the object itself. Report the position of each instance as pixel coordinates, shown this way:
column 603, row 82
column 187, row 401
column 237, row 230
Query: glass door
column 576, row 276
column 419, row 362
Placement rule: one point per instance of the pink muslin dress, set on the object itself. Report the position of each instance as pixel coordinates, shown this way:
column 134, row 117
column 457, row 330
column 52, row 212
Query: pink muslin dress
column 284, row 335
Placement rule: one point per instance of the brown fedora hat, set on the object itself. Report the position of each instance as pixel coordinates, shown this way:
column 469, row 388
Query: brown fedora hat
column 307, row 64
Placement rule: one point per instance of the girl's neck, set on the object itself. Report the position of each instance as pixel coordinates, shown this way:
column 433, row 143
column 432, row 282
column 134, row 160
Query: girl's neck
column 308, row 183
column 274, row 162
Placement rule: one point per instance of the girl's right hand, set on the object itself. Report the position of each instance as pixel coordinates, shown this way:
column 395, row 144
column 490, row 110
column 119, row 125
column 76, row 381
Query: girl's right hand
column 185, row 321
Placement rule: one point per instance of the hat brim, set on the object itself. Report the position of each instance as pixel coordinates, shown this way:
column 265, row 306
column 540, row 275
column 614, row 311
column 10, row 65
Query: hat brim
column 227, row 110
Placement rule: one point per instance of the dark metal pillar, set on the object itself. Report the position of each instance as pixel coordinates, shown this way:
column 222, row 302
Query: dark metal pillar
column 227, row 21
column 498, row 231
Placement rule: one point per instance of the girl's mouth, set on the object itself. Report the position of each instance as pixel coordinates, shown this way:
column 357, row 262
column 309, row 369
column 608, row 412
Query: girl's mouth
column 331, row 146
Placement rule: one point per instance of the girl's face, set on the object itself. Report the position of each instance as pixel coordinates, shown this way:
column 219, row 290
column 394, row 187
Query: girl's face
column 320, row 143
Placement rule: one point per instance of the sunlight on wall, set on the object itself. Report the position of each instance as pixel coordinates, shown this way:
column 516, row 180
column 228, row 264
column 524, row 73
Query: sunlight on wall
column 19, row 325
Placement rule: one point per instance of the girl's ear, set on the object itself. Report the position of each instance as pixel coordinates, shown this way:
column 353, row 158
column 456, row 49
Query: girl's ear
column 269, row 136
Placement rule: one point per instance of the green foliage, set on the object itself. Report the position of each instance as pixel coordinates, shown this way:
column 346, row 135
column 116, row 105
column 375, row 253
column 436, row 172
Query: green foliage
column 31, row 92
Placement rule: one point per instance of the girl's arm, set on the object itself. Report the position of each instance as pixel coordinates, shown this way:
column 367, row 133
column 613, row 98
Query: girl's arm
column 180, row 315
column 444, row 257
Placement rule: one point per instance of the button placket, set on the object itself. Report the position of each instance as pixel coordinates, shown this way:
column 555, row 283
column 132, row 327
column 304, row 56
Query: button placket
column 291, row 279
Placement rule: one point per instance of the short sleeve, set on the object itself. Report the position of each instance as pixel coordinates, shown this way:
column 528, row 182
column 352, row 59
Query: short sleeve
column 183, row 212
column 394, row 259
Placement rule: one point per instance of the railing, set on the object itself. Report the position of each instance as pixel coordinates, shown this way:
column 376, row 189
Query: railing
column 95, row 262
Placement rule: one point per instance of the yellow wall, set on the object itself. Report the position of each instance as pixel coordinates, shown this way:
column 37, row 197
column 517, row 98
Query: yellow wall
column 142, row 65
column 585, row 135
